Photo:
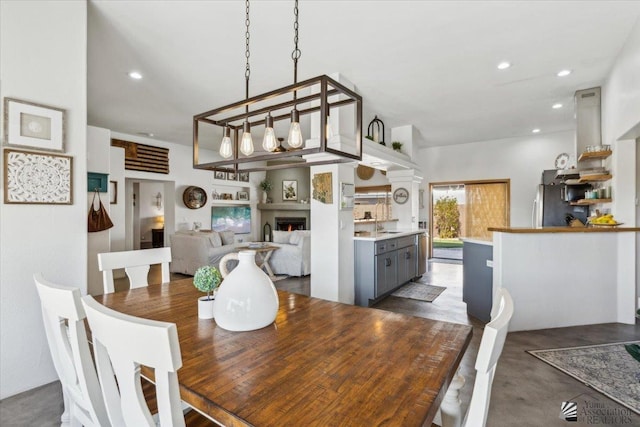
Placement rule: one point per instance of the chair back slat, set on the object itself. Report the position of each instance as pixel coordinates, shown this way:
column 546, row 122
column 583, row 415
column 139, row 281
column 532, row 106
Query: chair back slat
column 122, row 344
column 491, row 345
column 136, row 264
column 63, row 317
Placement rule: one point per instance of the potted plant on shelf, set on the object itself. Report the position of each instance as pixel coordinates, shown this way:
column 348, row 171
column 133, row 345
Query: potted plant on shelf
column 397, row 146
column 207, row 279
column 265, row 186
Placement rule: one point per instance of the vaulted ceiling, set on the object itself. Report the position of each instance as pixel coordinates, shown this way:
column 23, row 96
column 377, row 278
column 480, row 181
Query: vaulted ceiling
column 432, row 64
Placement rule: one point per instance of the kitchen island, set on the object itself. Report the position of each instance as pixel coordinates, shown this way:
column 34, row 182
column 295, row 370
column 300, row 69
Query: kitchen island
column 566, row 276
column 384, row 261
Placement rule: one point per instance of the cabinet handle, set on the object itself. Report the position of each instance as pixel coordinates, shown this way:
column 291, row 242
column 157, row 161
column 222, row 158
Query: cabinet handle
column 407, row 255
column 387, row 262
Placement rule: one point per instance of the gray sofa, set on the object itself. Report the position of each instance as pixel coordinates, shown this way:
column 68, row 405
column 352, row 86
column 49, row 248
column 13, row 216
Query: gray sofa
column 191, row 250
column 294, row 256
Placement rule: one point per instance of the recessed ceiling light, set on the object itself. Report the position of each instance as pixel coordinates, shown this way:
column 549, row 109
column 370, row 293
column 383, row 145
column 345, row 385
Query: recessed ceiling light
column 135, row 75
column 556, row 106
column 536, row 130
column 563, row 73
column 149, row 134
column 504, row 65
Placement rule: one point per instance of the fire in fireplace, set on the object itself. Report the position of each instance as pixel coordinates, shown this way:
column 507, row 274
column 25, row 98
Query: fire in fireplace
column 290, row 224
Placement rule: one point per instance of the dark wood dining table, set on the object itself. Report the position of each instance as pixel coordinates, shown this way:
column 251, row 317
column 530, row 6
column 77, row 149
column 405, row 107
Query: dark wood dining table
column 320, row 363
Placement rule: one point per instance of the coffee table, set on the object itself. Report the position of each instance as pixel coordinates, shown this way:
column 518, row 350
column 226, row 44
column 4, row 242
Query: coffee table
column 264, row 253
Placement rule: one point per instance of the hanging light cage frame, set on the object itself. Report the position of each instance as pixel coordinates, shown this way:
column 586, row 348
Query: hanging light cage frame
column 234, row 115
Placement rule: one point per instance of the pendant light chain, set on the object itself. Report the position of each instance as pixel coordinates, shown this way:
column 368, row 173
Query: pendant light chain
column 297, row 53
column 247, row 54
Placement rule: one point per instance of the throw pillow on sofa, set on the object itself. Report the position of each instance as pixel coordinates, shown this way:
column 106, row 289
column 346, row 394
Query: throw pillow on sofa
column 228, row 237
column 215, row 239
column 282, row 236
column 295, row 238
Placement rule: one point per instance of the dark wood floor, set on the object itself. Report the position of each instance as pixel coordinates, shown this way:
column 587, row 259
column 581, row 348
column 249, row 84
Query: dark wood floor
column 526, row 391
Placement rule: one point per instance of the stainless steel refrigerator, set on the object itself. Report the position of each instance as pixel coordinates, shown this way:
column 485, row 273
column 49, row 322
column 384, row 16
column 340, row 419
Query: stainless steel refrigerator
column 550, row 207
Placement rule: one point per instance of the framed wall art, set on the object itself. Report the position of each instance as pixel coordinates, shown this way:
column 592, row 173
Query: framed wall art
column 243, row 176
column 219, row 175
column 37, row 178
column 289, row 190
column 323, row 187
column 231, row 176
column 33, row 125
column 243, row 195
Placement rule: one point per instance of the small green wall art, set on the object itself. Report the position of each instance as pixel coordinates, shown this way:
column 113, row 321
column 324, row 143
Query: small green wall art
column 97, row 181
column 322, row 187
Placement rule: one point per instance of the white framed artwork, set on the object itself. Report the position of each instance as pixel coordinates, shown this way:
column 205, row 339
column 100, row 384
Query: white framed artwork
column 37, row 178
column 33, row 125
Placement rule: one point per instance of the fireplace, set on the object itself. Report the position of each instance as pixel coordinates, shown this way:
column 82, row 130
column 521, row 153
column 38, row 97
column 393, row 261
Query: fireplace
column 291, row 223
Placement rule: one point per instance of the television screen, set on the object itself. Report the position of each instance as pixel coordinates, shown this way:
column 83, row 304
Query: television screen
column 234, row 218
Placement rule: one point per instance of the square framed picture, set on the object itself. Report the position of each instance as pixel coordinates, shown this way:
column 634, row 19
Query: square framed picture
column 231, row 176
column 289, row 190
column 219, row 175
column 243, row 195
column 37, row 178
column 33, row 125
column 243, row 176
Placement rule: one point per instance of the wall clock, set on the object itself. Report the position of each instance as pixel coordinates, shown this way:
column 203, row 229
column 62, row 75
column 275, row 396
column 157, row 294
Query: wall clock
column 400, row 196
column 562, row 160
column 194, row 197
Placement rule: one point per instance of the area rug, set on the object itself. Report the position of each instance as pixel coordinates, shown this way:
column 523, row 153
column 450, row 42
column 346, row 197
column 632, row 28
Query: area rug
column 419, row 291
column 607, row 368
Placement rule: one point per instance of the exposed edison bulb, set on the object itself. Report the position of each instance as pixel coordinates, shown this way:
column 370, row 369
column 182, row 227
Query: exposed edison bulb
column 246, row 145
column 328, row 131
column 269, row 142
column 226, row 149
column 295, row 134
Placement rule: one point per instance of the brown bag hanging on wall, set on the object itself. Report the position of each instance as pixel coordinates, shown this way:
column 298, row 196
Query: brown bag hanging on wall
column 98, row 219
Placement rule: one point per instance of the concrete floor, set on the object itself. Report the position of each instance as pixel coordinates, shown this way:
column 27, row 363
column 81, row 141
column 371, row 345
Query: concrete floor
column 526, row 391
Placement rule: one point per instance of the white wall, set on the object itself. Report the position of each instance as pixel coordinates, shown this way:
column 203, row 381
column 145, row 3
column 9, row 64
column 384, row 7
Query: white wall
column 42, row 59
column 521, row 160
column 620, row 114
column 332, row 259
column 98, row 141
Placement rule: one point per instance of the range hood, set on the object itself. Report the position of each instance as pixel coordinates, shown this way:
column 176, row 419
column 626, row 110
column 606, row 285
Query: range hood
column 588, row 119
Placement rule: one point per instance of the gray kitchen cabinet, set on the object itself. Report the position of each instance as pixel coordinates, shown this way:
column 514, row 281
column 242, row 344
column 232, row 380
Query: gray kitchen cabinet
column 386, row 273
column 381, row 266
column 406, row 263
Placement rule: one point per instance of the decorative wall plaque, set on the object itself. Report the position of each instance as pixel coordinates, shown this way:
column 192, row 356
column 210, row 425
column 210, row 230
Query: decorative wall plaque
column 322, row 187
column 37, row 178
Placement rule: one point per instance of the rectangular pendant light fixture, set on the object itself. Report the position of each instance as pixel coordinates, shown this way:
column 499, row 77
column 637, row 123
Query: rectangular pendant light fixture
column 320, row 95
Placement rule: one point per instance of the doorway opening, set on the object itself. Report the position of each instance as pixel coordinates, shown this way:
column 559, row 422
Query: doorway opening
column 465, row 209
column 149, row 212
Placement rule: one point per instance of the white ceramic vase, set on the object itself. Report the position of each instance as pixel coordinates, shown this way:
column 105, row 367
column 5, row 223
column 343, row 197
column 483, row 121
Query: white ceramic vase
column 264, row 197
column 246, row 299
column 205, row 307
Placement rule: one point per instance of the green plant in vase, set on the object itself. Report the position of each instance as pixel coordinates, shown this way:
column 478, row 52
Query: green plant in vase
column 207, row 279
column 265, row 185
column 397, row 146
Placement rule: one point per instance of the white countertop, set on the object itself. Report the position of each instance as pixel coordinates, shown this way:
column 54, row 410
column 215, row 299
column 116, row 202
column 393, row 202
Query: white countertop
column 391, row 234
column 477, row 241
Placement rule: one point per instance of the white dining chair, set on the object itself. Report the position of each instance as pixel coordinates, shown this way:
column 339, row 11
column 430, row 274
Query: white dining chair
column 491, row 345
column 63, row 317
column 123, row 343
column 136, row 264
